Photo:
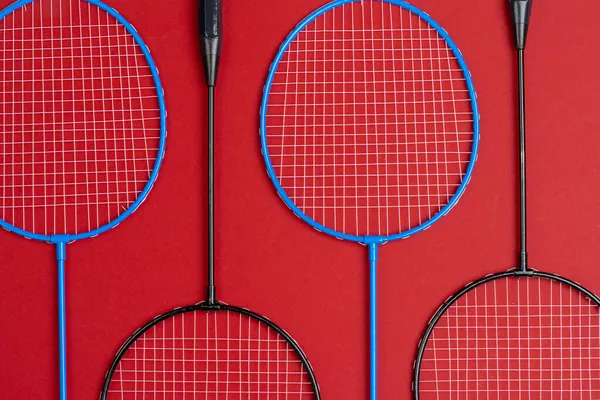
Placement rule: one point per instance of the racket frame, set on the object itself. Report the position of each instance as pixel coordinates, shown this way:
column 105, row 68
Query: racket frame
column 205, row 306
column 513, row 273
column 68, row 238
column 368, row 240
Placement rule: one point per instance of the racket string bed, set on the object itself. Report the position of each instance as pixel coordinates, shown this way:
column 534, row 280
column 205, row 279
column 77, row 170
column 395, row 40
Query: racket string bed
column 369, row 122
column 80, row 118
column 515, row 336
column 223, row 354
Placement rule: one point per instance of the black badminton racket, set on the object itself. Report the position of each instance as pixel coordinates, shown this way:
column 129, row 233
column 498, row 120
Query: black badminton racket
column 517, row 334
column 210, row 350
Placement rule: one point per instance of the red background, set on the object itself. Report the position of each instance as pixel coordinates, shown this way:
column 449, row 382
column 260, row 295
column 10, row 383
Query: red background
column 269, row 261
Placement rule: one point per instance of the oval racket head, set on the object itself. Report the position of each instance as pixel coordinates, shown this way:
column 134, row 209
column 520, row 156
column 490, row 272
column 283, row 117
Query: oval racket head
column 82, row 115
column 510, row 335
column 218, row 352
column 369, row 121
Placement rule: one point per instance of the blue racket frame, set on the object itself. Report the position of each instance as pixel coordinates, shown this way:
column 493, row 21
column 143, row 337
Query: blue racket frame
column 373, row 242
column 62, row 240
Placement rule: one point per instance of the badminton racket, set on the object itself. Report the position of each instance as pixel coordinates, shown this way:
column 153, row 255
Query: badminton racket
column 83, row 126
column 210, row 350
column 516, row 334
column 369, row 126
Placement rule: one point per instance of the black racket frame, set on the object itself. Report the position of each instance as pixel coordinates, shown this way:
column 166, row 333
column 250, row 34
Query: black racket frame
column 514, row 273
column 208, row 308
column 210, row 28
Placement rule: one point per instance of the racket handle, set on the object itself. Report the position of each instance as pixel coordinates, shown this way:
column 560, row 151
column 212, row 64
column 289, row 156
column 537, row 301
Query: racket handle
column 521, row 12
column 210, row 33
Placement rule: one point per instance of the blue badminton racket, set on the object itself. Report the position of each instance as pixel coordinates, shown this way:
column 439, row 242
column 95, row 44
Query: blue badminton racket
column 369, row 126
column 83, row 126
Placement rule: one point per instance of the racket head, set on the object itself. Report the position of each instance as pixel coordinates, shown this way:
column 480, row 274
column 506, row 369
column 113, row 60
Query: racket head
column 562, row 314
column 284, row 372
column 269, row 155
column 151, row 106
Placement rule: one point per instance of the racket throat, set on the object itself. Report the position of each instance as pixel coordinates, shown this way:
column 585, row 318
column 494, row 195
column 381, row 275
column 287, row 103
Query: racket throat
column 523, row 265
column 211, row 295
column 210, row 21
column 521, row 11
column 211, row 48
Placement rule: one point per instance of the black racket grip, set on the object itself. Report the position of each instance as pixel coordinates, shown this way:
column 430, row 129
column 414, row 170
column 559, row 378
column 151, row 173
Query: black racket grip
column 521, row 12
column 211, row 22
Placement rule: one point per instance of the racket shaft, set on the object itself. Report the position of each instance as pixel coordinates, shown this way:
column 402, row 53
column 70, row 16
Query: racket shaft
column 523, row 161
column 62, row 325
column 373, row 320
column 210, row 34
column 211, row 195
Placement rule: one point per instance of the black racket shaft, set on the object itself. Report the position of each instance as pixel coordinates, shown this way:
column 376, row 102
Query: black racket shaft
column 210, row 18
column 521, row 12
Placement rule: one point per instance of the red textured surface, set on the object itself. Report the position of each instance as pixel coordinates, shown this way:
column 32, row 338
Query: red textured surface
column 271, row 262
